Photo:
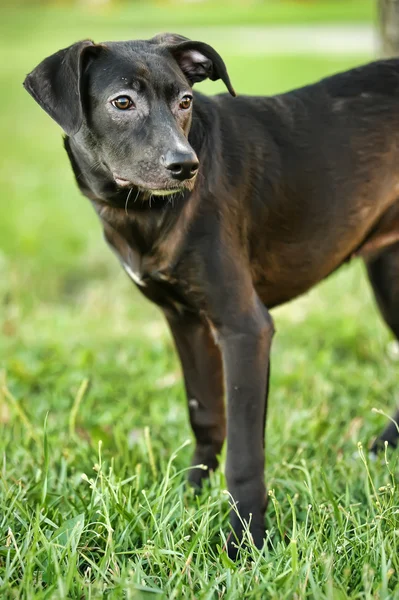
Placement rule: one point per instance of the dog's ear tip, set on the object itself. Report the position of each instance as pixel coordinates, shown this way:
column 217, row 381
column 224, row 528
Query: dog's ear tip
column 30, row 86
column 229, row 87
column 27, row 83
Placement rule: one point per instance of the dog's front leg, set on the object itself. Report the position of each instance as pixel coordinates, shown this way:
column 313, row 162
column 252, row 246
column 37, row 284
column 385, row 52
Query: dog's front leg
column 245, row 339
column 203, row 377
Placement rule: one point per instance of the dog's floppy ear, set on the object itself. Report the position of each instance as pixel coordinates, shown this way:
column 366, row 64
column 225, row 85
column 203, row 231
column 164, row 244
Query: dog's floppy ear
column 55, row 85
column 197, row 60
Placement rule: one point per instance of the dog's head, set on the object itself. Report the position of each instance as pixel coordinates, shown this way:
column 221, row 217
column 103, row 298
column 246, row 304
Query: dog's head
column 128, row 105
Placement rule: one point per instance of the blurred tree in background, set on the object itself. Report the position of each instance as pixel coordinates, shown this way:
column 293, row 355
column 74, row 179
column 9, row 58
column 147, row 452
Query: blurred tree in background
column 389, row 26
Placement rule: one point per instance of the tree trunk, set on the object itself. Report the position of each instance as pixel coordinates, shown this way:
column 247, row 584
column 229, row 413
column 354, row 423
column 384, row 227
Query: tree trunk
column 389, row 27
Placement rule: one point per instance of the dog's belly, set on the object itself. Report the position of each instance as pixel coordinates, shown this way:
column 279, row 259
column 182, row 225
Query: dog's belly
column 385, row 234
column 289, row 283
column 289, row 269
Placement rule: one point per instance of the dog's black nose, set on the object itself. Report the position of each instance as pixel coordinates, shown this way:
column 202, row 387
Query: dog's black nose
column 182, row 165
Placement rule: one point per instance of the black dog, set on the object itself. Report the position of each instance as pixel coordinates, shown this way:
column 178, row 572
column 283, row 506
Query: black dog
column 220, row 209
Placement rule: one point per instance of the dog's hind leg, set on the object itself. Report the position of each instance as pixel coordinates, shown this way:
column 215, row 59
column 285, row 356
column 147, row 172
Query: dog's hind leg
column 203, row 376
column 383, row 272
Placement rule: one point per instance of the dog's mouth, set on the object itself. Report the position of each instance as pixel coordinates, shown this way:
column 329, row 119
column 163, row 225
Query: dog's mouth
column 123, row 183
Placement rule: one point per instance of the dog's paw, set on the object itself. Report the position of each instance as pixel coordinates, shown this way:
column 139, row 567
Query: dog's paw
column 197, row 475
column 243, row 537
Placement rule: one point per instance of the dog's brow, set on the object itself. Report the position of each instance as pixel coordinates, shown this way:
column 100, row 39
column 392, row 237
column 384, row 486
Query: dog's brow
column 172, row 89
column 136, row 84
column 141, row 68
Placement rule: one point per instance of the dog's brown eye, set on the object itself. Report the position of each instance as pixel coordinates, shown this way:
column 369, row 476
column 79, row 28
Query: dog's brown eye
column 185, row 102
column 123, row 102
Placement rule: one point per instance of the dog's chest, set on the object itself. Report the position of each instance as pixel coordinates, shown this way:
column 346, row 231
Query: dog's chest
column 143, row 269
column 153, row 272
column 158, row 283
column 142, row 273
column 165, row 270
column 135, row 276
column 132, row 262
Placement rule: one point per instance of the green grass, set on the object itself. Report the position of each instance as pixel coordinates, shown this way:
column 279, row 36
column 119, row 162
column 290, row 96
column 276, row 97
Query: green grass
column 92, row 413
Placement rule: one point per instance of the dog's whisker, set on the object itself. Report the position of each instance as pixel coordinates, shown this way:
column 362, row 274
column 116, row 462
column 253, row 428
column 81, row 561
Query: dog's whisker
column 127, row 200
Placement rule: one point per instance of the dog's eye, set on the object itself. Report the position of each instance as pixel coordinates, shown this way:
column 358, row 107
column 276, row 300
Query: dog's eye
column 123, row 102
column 185, row 102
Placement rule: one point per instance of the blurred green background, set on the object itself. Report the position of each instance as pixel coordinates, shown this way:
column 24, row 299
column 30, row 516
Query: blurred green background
column 68, row 313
